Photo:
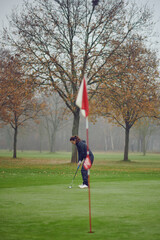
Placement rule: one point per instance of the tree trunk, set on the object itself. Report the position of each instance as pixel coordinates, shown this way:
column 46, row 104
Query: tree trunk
column 126, row 147
column 111, row 139
column 75, row 129
column 144, row 145
column 52, row 142
column 9, row 139
column 15, row 143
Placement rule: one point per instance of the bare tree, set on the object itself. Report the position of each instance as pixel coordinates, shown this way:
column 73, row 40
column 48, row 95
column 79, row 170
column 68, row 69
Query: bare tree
column 60, row 41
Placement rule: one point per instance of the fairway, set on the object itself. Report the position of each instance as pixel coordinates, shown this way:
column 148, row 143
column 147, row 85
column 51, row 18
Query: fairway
column 36, row 203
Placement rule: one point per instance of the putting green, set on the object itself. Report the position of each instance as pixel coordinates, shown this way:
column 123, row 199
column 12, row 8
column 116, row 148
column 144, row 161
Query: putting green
column 36, row 203
column 120, row 210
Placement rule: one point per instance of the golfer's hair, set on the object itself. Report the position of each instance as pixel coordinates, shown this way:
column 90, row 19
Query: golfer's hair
column 75, row 138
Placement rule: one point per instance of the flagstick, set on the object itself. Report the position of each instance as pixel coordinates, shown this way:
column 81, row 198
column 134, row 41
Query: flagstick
column 89, row 201
column 89, row 194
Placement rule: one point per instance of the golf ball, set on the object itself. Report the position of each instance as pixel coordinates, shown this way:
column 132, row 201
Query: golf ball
column 70, row 186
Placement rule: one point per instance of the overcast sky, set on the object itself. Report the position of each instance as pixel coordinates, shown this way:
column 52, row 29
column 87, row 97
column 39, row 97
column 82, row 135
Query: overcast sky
column 6, row 7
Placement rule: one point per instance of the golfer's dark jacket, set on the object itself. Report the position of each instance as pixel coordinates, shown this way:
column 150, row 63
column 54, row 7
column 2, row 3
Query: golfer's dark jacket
column 82, row 151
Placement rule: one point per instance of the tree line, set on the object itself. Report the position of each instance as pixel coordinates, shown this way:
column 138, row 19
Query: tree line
column 103, row 136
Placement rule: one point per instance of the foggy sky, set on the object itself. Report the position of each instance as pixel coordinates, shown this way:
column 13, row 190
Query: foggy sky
column 6, row 7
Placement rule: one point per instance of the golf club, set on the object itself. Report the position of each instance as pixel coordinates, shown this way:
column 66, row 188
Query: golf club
column 74, row 177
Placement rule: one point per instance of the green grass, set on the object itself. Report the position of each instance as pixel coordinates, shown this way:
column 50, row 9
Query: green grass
column 36, row 203
column 109, row 156
column 36, row 154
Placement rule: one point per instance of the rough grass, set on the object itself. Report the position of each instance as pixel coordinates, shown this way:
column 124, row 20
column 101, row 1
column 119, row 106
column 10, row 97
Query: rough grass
column 36, row 203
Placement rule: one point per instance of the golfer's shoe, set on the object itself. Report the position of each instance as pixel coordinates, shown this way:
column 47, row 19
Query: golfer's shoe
column 83, row 186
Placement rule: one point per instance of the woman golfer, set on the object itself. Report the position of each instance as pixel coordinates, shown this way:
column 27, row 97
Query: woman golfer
column 82, row 154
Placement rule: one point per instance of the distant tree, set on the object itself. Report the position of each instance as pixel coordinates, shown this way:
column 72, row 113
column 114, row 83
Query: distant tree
column 55, row 114
column 131, row 92
column 18, row 103
column 60, row 41
column 145, row 128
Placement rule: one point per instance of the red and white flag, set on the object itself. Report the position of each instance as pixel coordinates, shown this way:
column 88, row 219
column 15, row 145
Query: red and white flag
column 82, row 103
column 82, row 99
column 87, row 163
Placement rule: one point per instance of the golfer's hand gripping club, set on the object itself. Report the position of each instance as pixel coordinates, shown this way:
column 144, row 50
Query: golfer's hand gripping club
column 79, row 164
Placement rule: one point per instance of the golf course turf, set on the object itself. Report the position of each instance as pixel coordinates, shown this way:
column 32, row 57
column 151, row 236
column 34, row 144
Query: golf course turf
column 36, row 203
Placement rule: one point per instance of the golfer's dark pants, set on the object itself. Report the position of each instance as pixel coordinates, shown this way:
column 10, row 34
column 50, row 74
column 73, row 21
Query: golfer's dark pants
column 84, row 172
